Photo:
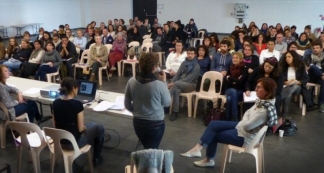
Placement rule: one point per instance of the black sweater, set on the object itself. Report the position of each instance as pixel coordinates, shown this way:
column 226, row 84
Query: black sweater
column 23, row 54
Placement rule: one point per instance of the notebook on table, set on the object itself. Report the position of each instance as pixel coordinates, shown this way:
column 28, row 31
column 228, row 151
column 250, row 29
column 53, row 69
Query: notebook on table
column 87, row 91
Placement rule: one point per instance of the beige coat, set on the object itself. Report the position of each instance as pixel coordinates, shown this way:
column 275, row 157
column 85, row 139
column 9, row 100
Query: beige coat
column 103, row 55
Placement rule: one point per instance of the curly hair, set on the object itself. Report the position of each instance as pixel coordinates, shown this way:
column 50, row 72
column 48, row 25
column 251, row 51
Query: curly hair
column 148, row 61
column 297, row 62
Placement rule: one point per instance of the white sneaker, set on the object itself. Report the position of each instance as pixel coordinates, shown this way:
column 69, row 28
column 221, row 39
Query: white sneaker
column 203, row 163
column 191, row 154
column 113, row 68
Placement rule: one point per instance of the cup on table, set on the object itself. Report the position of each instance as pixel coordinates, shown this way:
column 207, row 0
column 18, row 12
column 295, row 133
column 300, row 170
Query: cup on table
column 281, row 133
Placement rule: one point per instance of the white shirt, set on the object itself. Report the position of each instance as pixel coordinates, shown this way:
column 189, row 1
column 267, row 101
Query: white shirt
column 173, row 61
column 291, row 73
column 266, row 54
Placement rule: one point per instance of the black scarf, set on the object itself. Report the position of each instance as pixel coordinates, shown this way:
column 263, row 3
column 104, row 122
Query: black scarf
column 145, row 78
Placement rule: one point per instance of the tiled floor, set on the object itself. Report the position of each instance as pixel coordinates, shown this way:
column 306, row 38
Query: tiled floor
column 297, row 154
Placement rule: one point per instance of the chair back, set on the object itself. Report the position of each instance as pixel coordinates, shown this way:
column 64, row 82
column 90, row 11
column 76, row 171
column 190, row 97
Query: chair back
column 257, row 140
column 85, row 55
column 213, row 76
column 147, row 36
column 24, row 128
column 201, row 34
column 6, row 113
column 57, row 135
column 133, row 43
column 147, row 40
column 108, row 46
column 148, row 46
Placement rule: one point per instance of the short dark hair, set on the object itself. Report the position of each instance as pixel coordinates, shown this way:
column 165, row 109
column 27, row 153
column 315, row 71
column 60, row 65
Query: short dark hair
column 270, row 41
column 67, row 85
column 38, row 41
column 292, row 43
column 192, row 49
column 63, row 36
column 317, row 43
column 204, row 48
column 148, row 61
column 293, row 27
column 225, row 42
column 51, row 43
column 55, row 35
column 270, row 86
column 61, row 26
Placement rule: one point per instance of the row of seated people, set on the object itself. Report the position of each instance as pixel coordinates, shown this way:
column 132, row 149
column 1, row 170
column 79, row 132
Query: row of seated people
column 241, row 72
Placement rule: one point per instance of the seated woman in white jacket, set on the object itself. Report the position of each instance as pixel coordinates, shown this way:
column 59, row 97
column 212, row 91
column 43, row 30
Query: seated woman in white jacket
column 29, row 68
column 175, row 59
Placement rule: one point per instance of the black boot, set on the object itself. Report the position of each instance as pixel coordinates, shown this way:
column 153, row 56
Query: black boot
column 173, row 116
column 97, row 147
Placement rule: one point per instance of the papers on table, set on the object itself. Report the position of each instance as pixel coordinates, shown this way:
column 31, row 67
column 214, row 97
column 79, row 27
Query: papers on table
column 251, row 98
column 105, row 105
column 32, row 91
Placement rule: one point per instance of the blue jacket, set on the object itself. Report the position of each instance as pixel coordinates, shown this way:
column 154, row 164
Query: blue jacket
column 218, row 65
column 204, row 65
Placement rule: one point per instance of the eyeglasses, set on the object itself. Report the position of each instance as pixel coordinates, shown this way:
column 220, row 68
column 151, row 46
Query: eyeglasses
column 293, row 47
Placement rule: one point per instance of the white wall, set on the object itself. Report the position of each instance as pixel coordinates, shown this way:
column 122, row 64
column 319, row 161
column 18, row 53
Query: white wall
column 215, row 15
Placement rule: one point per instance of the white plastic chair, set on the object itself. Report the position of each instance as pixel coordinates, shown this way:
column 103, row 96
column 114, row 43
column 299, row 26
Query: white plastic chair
column 108, row 46
column 148, row 46
column 51, row 77
column 147, row 36
column 133, row 62
column 147, row 40
column 200, row 39
column 188, row 96
column 4, row 124
column 316, row 92
column 33, row 141
column 211, row 94
column 68, row 155
column 82, row 64
column 255, row 148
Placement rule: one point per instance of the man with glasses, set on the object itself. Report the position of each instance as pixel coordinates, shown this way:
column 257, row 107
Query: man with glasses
column 280, row 45
column 288, row 37
column 270, row 52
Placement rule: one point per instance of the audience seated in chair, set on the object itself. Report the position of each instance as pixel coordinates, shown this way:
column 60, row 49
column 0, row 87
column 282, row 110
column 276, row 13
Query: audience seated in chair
column 11, row 49
column 288, row 37
column 90, row 37
column 233, row 83
column 272, row 35
column 159, row 41
column 111, row 31
column 260, row 44
column 21, row 55
column 239, row 41
column 117, row 51
column 270, row 52
column 56, row 40
column 19, row 106
column 98, row 58
column 251, row 61
column 248, row 42
column 134, row 35
column 69, row 35
column 223, row 59
column 315, row 67
column 142, row 30
column 239, row 133
column 203, row 60
column 280, row 45
column 46, row 38
column 208, row 44
column 184, row 81
column 303, row 42
column 106, row 37
column 80, row 42
column 214, row 40
column 311, row 37
column 175, row 59
column 68, row 54
column 68, row 115
column 61, row 31
column 30, row 67
column 191, row 29
column 50, row 62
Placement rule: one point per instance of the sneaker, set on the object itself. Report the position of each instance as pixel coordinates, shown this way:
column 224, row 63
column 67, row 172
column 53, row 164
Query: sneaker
column 191, row 154
column 321, row 109
column 203, row 163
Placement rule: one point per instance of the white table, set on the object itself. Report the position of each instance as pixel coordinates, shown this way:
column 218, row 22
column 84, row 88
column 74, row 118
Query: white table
column 3, row 30
column 21, row 26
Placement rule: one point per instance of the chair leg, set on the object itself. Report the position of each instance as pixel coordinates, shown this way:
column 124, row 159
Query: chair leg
column 189, row 104
column 3, row 135
column 300, row 101
column 107, row 75
column 100, row 77
column 52, row 160
column 74, row 72
column 257, row 162
column 224, row 158
column 67, row 165
column 196, row 105
column 119, row 67
column 123, row 69
column 35, row 159
column 170, row 109
column 19, row 148
column 230, row 156
column 134, row 69
column 90, row 161
column 304, row 109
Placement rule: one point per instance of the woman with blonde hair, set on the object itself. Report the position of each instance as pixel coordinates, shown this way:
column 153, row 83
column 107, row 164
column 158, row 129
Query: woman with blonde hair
column 98, row 58
column 22, row 55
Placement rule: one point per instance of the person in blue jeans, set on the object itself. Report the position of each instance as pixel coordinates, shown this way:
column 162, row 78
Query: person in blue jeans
column 68, row 115
column 234, row 83
column 315, row 67
column 263, row 112
column 22, row 55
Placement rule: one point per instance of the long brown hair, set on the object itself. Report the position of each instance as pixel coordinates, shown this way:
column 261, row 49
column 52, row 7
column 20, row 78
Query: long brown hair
column 11, row 48
column 2, row 80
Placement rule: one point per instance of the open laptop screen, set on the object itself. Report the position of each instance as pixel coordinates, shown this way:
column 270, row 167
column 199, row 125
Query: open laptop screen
column 87, row 88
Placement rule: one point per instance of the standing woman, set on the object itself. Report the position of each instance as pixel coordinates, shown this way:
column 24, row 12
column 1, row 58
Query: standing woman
column 98, row 58
column 49, row 63
column 117, row 51
column 19, row 106
column 269, row 69
column 29, row 68
column 295, row 77
column 146, row 97
column 240, row 133
column 208, row 44
column 68, row 115
column 22, row 55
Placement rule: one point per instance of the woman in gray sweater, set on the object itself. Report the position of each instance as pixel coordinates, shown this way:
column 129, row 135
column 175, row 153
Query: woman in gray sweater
column 49, row 63
column 145, row 97
column 263, row 112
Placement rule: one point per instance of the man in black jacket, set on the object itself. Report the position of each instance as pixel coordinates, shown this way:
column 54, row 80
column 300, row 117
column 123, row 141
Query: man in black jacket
column 69, row 56
column 159, row 41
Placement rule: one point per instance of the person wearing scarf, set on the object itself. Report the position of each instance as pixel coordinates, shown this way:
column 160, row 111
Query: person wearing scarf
column 250, row 60
column 29, row 68
column 234, row 85
column 315, row 67
column 184, row 81
column 146, row 97
column 303, row 42
column 240, row 134
column 117, row 51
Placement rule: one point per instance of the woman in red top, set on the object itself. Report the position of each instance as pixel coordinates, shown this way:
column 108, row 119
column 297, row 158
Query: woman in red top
column 260, row 44
column 117, row 50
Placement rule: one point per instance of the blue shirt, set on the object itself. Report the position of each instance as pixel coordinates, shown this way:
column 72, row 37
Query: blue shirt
column 82, row 42
column 204, row 65
column 221, row 62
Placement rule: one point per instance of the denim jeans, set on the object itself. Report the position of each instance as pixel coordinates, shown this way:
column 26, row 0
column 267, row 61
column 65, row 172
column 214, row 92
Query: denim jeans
column 93, row 130
column 42, row 71
column 150, row 133
column 315, row 75
column 12, row 65
column 233, row 96
column 95, row 68
column 30, row 107
column 220, row 132
column 286, row 96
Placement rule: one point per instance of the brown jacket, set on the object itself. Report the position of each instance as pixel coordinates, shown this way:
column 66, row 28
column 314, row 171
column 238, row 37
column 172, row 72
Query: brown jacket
column 103, row 55
column 2, row 51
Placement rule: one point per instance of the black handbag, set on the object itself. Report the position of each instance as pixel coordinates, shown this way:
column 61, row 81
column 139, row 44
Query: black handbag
column 214, row 113
column 289, row 127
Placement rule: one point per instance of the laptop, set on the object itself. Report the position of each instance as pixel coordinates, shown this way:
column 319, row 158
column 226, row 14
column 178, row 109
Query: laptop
column 87, row 91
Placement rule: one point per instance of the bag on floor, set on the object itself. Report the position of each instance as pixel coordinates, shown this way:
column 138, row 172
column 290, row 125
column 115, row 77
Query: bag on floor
column 217, row 113
column 289, row 127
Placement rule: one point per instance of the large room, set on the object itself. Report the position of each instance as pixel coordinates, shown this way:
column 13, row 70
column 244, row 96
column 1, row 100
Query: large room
column 121, row 108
